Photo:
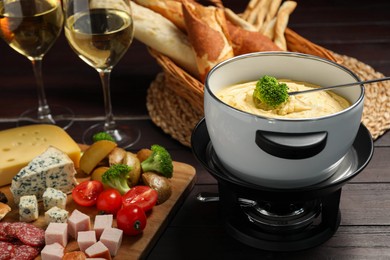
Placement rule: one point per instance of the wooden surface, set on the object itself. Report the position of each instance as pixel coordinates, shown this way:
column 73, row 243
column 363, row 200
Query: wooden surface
column 134, row 247
column 359, row 29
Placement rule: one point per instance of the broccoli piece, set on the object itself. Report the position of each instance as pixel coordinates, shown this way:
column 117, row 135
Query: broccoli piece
column 159, row 161
column 269, row 93
column 102, row 136
column 116, row 177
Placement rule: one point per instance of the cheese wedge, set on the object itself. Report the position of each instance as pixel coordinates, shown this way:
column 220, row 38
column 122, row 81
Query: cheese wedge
column 18, row 146
column 53, row 168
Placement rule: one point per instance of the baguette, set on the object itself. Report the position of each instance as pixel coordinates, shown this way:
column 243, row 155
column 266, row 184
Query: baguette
column 170, row 9
column 159, row 33
column 208, row 35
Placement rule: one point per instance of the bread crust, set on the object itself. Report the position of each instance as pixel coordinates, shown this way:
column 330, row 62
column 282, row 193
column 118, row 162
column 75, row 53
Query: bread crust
column 248, row 41
column 208, row 35
column 162, row 35
column 170, row 9
column 4, row 210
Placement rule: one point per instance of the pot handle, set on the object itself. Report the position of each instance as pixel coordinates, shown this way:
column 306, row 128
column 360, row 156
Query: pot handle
column 291, row 145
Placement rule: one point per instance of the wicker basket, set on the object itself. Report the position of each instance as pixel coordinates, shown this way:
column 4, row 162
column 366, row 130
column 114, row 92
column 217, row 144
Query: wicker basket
column 183, row 105
column 191, row 89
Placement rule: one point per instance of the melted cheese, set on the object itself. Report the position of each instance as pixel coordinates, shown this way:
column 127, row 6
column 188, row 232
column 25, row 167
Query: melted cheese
column 309, row 105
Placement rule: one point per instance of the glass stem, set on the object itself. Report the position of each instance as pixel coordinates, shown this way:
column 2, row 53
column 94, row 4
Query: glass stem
column 44, row 114
column 109, row 124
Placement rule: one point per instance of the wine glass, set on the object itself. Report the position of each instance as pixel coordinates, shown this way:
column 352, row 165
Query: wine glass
column 100, row 32
column 31, row 27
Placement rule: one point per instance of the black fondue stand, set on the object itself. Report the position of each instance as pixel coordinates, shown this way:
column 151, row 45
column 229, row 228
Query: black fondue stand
column 279, row 219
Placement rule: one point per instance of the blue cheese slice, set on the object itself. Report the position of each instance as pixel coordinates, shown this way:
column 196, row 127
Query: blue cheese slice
column 28, row 208
column 53, row 169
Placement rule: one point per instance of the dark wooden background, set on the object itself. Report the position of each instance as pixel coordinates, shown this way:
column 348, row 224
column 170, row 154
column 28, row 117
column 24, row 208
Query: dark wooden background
column 359, row 29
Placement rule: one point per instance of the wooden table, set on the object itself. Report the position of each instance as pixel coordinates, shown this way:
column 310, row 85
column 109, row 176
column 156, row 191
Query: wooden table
column 359, row 29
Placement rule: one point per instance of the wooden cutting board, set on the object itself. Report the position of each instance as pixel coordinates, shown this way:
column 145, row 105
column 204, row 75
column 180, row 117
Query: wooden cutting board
column 139, row 246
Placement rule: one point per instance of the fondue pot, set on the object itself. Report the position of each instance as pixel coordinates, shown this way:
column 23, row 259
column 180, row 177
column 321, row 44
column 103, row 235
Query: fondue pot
column 274, row 152
column 285, row 219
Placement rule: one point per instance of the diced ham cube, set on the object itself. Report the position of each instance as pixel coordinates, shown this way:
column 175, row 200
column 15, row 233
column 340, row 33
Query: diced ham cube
column 56, row 233
column 112, row 239
column 78, row 221
column 52, row 252
column 98, row 250
column 102, row 222
column 86, row 239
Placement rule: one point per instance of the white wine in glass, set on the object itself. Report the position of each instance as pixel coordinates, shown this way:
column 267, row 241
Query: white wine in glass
column 100, row 32
column 31, row 27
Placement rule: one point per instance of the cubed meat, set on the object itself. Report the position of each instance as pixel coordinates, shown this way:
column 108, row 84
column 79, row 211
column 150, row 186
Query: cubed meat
column 57, row 233
column 102, row 222
column 86, row 239
column 112, row 239
column 98, row 250
column 52, row 252
column 78, row 221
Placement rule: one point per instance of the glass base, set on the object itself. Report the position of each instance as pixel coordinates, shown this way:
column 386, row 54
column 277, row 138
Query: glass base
column 124, row 135
column 60, row 116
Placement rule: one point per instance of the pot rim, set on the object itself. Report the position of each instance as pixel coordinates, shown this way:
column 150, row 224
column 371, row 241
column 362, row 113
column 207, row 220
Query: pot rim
column 289, row 54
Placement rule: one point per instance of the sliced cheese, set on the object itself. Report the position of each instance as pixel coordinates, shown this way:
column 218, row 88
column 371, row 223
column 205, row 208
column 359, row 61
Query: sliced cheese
column 18, row 146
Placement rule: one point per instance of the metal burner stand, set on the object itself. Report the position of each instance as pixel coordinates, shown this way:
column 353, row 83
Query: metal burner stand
column 284, row 237
column 261, row 217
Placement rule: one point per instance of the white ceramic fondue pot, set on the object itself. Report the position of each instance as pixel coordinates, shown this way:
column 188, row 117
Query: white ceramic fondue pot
column 281, row 153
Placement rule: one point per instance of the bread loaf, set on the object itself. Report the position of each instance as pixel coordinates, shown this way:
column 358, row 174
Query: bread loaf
column 244, row 41
column 159, row 33
column 170, row 9
column 208, row 35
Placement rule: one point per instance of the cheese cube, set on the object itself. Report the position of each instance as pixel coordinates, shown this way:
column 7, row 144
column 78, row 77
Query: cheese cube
column 53, row 198
column 53, row 168
column 56, row 233
column 18, row 146
column 28, row 208
column 56, row 215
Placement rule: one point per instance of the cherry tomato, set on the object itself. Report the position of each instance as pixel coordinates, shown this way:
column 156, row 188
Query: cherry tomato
column 86, row 193
column 109, row 201
column 143, row 196
column 131, row 219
